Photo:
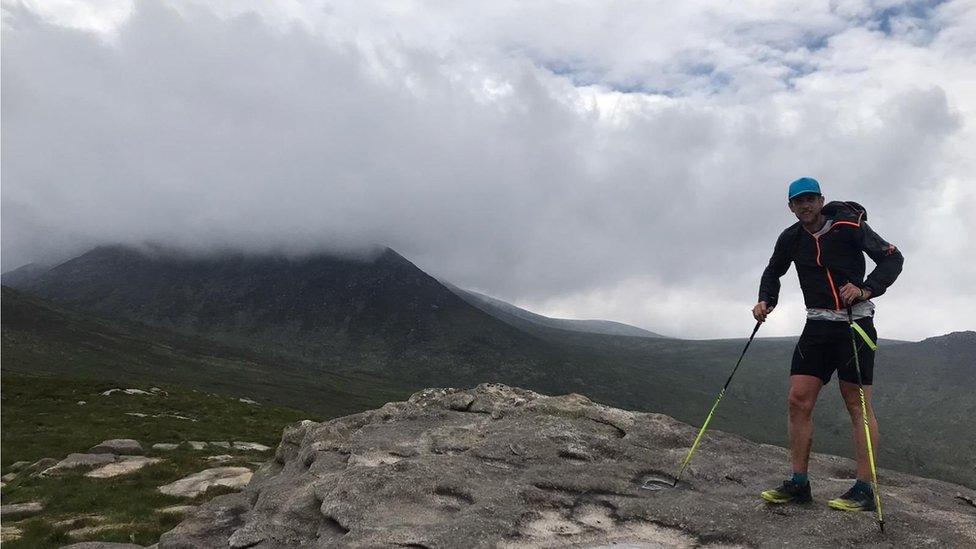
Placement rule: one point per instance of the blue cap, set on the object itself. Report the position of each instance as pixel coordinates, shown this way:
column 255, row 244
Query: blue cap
column 804, row 185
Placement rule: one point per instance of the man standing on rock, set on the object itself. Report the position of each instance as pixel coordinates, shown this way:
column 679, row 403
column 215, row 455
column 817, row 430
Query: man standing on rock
column 826, row 245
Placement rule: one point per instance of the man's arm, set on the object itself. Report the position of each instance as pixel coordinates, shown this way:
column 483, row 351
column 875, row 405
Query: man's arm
column 887, row 257
column 779, row 263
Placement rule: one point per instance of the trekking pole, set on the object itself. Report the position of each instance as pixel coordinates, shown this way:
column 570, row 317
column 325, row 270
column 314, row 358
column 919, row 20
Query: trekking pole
column 864, row 410
column 714, row 406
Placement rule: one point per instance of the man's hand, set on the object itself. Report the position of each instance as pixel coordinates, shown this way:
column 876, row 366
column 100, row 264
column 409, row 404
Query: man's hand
column 851, row 294
column 760, row 311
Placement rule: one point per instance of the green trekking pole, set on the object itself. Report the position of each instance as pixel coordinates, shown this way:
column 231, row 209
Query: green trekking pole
column 856, row 329
column 714, row 406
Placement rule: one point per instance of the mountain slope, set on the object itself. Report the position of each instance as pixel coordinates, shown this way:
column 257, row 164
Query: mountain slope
column 529, row 321
column 381, row 315
column 43, row 340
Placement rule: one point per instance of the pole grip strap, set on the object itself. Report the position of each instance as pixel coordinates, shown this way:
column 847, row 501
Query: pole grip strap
column 864, row 335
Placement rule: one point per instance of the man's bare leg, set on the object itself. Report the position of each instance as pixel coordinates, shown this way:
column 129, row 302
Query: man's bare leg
column 852, row 399
column 804, row 390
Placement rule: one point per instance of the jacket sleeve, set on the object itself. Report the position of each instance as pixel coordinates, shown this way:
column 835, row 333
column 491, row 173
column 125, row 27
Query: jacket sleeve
column 887, row 257
column 779, row 263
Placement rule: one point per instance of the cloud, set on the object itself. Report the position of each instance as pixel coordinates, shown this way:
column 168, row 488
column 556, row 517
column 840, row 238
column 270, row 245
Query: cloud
column 595, row 161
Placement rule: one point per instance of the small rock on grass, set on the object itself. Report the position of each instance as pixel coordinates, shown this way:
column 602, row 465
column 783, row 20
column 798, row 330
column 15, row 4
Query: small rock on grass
column 126, row 446
column 81, row 533
column 78, row 521
column 39, row 466
column 8, row 477
column 17, row 511
column 18, row 465
column 126, row 391
column 176, row 509
column 165, row 446
column 127, row 464
column 80, row 460
column 196, row 444
column 238, row 445
column 10, row 533
column 102, row 545
column 221, row 444
column 198, row 483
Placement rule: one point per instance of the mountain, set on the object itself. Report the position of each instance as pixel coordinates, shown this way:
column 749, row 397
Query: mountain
column 532, row 322
column 24, row 275
column 499, row 466
column 379, row 314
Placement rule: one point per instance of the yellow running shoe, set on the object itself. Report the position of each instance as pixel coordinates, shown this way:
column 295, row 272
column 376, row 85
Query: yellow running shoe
column 855, row 499
column 789, row 492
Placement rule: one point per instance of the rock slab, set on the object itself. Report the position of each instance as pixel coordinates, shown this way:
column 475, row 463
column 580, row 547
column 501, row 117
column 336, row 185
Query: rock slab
column 498, row 466
column 198, row 483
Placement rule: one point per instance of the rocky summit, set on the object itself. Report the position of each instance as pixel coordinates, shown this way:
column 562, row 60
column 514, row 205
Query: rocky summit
column 498, row 466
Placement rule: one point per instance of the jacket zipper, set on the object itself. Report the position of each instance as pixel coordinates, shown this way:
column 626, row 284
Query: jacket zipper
column 830, row 278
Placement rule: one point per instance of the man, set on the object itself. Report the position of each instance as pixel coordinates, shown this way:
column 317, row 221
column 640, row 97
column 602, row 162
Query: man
column 826, row 245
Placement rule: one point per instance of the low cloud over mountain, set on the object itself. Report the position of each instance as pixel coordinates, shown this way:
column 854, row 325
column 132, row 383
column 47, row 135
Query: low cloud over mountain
column 620, row 164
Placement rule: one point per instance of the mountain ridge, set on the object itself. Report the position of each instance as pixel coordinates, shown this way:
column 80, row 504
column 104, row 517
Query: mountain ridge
column 528, row 320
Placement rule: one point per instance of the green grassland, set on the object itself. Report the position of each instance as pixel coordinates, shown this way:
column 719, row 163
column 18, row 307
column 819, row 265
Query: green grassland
column 42, row 339
column 42, row 418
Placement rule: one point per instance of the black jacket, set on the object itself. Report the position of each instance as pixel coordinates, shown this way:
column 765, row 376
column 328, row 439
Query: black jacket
column 832, row 257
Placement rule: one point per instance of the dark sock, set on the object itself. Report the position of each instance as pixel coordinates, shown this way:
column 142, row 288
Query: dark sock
column 863, row 486
column 800, row 479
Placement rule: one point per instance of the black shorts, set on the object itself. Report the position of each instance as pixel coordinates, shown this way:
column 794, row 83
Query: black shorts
column 825, row 346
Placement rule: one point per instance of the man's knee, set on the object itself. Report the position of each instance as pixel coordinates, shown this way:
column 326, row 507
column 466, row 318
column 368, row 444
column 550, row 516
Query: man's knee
column 801, row 403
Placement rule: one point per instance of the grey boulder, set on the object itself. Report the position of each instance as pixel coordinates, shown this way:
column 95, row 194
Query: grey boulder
column 499, row 467
column 117, row 446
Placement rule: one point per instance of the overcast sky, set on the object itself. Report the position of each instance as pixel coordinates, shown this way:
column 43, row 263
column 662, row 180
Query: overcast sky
column 618, row 160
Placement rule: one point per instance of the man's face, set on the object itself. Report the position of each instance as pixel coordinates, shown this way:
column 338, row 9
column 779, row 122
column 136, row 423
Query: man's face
column 807, row 207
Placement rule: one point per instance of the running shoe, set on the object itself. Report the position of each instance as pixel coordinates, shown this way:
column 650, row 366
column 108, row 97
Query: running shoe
column 789, row 492
column 855, row 499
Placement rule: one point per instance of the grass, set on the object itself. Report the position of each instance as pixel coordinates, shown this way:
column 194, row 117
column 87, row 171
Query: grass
column 42, row 418
column 40, row 339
